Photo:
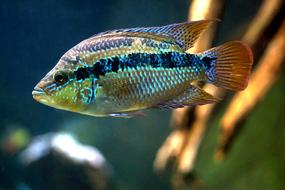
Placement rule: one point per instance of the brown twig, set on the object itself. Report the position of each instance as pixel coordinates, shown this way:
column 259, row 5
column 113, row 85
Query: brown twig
column 265, row 24
column 262, row 79
column 183, row 142
column 190, row 124
column 262, row 20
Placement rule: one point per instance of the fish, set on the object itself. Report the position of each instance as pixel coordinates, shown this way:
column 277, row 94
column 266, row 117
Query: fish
column 122, row 72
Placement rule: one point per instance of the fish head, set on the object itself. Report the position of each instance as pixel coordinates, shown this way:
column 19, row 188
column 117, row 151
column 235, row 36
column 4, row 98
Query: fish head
column 62, row 90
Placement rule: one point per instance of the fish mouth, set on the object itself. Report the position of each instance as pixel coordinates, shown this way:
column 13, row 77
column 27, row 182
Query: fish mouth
column 39, row 95
column 38, row 91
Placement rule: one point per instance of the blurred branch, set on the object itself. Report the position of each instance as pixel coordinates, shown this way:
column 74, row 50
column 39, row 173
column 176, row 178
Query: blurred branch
column 171, row 148
column 264, row 25
column 190, row 123
column 201, row 10
column 262, row 79
column 262, row 20
column 188, row 153
column 183, row 142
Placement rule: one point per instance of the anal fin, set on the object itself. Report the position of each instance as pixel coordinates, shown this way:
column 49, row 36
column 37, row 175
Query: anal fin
column 191, row 97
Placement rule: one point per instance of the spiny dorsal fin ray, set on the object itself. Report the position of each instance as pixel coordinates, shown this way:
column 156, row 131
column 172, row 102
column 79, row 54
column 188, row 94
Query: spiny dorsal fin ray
column 184, row 34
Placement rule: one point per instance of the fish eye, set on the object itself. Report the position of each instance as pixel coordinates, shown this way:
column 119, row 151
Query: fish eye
column 60, row 77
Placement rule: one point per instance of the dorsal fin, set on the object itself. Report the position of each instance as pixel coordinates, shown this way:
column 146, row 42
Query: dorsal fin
column 184, row 34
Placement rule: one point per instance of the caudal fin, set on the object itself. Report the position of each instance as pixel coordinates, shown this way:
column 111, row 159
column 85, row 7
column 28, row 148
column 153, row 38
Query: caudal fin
column 228, row 65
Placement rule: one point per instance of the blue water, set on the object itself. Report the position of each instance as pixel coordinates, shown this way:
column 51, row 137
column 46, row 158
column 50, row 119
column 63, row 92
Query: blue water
column 33, row 35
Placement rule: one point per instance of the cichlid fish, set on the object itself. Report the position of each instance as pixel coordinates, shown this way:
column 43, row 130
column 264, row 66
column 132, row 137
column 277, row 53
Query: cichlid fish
column 119, row 72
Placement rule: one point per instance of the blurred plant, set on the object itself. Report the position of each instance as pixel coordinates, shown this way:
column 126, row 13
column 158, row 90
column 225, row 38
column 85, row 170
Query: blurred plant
column 14, row 139
column 267, row 28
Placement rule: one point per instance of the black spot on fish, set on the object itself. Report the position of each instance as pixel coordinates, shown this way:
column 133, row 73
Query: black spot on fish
column 99, row 68
column 115, row 65
column 208, row 61
column 81, row 73
column 152, row 58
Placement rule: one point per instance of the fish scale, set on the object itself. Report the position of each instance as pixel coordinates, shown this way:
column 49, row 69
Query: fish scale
column 117, row 72
column 89, row 49
column 133, row 86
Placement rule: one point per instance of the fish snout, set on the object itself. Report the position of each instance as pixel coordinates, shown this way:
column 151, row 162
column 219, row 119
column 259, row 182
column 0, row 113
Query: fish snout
column 38, row 91
column 39, row 94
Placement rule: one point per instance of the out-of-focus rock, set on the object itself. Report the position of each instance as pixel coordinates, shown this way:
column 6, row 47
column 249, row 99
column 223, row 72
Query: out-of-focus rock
column 59, row 161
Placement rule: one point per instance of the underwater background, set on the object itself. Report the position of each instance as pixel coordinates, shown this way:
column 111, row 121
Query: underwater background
column 34, row 34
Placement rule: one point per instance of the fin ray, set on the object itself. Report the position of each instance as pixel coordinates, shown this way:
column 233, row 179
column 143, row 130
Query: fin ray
column 191, row 97
column 229, row 65
column 184, row 34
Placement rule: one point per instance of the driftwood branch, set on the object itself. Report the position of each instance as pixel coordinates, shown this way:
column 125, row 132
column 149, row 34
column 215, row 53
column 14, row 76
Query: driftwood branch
column 183, row 142
column 189, row 124
column 264, row 25
column 261, row 80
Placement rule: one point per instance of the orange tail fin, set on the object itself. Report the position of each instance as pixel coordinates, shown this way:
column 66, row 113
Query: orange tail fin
column 228, row 65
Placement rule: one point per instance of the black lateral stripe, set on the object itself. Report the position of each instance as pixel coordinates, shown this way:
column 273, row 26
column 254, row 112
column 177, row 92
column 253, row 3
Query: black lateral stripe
column 134, row 60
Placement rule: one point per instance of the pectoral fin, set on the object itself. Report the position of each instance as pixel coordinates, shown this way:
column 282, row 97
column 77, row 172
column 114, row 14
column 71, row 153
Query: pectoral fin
column 191, row 97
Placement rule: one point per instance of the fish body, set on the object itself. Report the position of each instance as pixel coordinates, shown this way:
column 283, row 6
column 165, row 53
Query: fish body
column 119, row 72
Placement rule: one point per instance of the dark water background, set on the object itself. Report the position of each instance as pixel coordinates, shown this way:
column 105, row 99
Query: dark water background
column 34, row 35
